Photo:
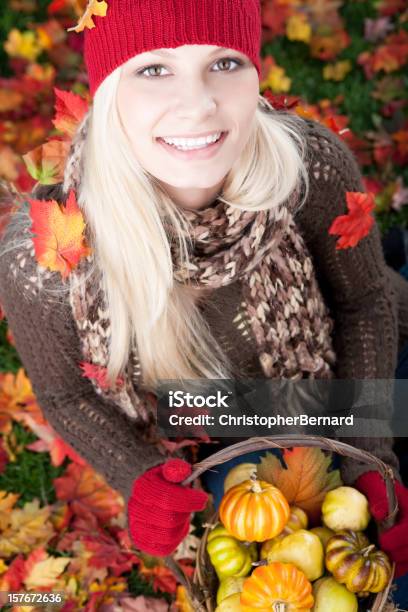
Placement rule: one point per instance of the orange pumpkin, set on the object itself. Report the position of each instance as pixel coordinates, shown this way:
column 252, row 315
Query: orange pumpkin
column 254, row 510
column 274, row 584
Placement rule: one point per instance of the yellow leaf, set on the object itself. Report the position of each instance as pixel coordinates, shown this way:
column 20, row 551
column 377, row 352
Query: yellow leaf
column 45, row 573
column 29, row 527
column 276, row 80
column 95, row 8
column 337, row 71
column 22, row 44
column 298, row 28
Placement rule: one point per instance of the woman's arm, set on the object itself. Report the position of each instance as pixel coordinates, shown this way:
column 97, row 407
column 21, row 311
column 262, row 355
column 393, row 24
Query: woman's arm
column 48, row 345
column 355, row 284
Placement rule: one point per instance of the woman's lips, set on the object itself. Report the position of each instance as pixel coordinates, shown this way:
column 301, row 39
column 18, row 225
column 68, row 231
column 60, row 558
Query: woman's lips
column 197, row 154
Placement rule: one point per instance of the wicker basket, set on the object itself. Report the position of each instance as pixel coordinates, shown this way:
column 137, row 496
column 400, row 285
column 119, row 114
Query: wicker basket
column 202, row 590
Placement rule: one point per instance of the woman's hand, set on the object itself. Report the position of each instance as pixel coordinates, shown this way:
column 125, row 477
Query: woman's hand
column 394, row 540
column 159, row 508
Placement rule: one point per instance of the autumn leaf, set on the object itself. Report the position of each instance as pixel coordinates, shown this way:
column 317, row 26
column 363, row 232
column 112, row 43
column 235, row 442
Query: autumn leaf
column 87, row 492
column 299, row 28
column 357, row 223
column 98, row 373
column 43, row 570
column 305, row 480
column 7, row 503
column 4, row 459
column 95, row 8
column 162, row 578
column 333, row 124
column 10, row 100
column 327, row 46
column 337, row 71
column 276, row 80
column 9, row 163
column 390, row 7
column 59, row 241
column 28, row 528
column 401, row 138
column 281, row 101
column 275, row 14
column 105, row 552
column 24, row 45
column 12, row 579
column 50, row 442
column 17, row 388
column 376, row 29
column 70, row 109
column 58, row 5
column 46, row 163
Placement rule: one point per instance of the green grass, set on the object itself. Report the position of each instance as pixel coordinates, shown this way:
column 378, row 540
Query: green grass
column 32, row 474
column 9, row 359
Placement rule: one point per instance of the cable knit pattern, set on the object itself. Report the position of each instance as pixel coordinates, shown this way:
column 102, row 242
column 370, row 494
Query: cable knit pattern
column 367, row 301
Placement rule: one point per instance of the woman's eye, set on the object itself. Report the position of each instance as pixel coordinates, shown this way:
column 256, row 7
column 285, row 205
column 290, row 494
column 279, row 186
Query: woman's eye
column 158, row 66
column 227, row 60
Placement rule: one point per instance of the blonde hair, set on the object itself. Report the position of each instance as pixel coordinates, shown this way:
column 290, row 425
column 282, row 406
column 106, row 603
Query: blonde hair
column 125, row 206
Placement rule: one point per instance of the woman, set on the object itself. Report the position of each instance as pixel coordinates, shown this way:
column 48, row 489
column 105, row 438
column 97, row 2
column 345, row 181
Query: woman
column 199, row 247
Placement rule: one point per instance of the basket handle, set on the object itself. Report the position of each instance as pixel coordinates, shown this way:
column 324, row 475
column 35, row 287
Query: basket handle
column 289, row 441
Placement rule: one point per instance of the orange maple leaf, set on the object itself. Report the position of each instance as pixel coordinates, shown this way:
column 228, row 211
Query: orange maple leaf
column 94, row 8
column 357, row 223
column 304, row 479
column 59, row 240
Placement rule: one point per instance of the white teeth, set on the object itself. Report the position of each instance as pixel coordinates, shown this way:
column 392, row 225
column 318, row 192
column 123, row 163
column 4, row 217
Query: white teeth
column 186, row 144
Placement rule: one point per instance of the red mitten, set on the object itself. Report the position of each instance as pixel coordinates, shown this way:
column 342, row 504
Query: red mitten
column 159, row 508
column 394, row 540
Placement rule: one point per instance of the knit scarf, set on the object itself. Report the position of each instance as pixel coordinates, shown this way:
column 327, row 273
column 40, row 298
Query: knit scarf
column 264, row 251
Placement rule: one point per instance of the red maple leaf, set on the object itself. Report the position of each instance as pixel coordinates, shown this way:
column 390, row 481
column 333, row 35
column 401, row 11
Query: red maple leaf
column 356, row 224
column 335, row 124
column 70, row 109
column 98, row 373
column 281, row 101
column 87, row 493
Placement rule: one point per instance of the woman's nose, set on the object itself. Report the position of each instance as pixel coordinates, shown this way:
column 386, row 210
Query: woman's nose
column 196, row 100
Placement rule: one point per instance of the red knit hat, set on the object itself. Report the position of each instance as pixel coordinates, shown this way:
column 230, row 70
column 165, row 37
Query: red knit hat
column 131, row 27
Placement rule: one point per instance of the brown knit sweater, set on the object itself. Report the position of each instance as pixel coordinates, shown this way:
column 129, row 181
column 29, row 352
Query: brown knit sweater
column 368, row 301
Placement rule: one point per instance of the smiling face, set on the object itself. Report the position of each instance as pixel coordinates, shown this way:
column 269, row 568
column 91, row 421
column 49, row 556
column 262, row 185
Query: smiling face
column 188, row 93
